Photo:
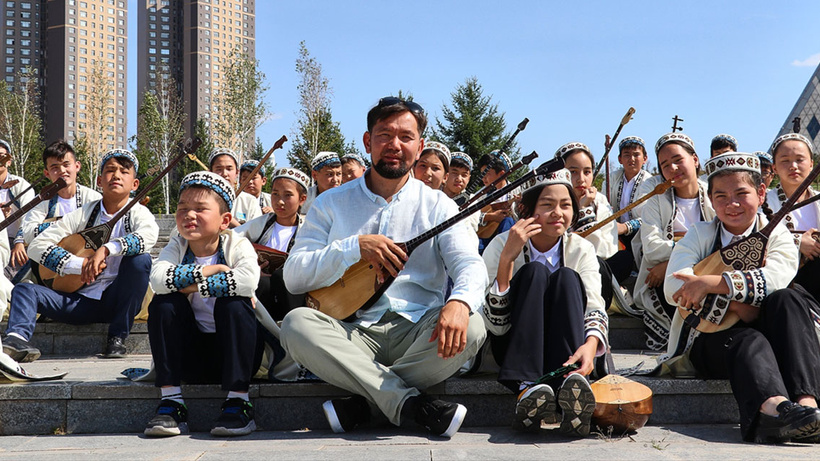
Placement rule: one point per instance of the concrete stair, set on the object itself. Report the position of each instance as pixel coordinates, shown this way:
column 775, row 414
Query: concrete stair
column 95, row 398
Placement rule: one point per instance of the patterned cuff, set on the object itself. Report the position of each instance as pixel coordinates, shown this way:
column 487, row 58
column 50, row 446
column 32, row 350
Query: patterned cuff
column 41, row 227
column 747, row 287
column 797, row 239
column 132, row 244
column 597, row 321
column 183, row 275
column 632, row 226
column 55, row 258
column 497, row 309
column 221, row 285
column 586, row 217
column 715, row 307
column 18, row 238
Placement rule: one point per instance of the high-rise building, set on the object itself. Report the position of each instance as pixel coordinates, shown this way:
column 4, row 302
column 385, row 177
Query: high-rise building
column 62, row 41
column 807, row 109
column 191, row 40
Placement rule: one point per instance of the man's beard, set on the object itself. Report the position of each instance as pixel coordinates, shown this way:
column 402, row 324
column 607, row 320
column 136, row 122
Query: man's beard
column 388, row 172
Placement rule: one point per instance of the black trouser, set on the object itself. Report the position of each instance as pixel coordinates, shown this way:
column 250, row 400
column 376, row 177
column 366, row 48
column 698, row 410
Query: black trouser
column 622, row 263
column 777, row 354
column 183, row 353
column 606, row 282
column 547, row 324
column 276, row 298
column 809, row 277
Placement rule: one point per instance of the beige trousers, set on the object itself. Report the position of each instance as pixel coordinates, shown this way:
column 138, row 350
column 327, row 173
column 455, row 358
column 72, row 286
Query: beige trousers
column 387, row 362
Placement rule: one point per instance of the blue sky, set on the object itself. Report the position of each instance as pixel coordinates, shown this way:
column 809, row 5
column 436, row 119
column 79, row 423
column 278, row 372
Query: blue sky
column 572, row 68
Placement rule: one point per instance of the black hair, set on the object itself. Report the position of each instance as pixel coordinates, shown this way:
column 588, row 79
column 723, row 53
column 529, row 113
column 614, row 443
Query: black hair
column 383, row 111
column 686, row 147
column 721, row 143
column 491, row 161
column 443, row 158
column 58, row 149
column 529, row 199
column 754, row 179
column 456, row 162
column 128, row 164
column 299, row 185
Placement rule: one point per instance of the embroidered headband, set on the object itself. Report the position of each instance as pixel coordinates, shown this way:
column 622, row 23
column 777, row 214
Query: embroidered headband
column 212, row 181
column 791, row 137
column 324, row 159
column 631, row 140
column 120, row 153
column 463, row 157
column 732, row 161
column 249, row 165
column 765, row 158
column 672, row 137
column 222, row 151
column 727, row 138
column 502, row 158
column 561, row 176
column 564, row 150
column 439, row 147
column 356, row 157
column 294, row 174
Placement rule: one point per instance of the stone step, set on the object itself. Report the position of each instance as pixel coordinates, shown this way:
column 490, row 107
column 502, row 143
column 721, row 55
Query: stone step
column 94, row 398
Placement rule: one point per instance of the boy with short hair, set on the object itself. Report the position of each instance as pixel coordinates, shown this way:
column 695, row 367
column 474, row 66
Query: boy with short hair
column 116, row 276
column 353, row 167
column 225, row 163
column 201, row 322
column 461, row 165
column 256, row 184
column 326, row 171
column 771, row 355
column 59, row 161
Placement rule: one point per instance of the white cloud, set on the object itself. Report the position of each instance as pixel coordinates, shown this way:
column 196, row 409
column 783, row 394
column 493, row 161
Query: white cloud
column 811, row 61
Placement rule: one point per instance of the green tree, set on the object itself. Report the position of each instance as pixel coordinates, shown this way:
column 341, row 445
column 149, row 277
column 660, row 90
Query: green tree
column 161, row 127
column 473, row 123
column 240, row 106
column 315, row 129
column 96, row 126
column 20, row 123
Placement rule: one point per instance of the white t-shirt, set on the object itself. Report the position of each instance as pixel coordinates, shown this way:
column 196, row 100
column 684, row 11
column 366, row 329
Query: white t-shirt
column 204, row 307
column 626, row 193
column 112, row 263
column 280, row 237
column 66, row 205
column 805, row 218
column 687, row 213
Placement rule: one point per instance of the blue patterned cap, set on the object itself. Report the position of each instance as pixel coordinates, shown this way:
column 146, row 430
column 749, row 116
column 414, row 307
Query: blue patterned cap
column 249, row 165
column 358, row 158
column 120, row 153
column 764, row 157
column 502, row 158
column 324, row 159
column 631, row 140
column 673, row 137
column 564, row 150
column 292, row 173
column 4, row 143
column 222, row 151
column 438, row 147
column 726, row 138
column 212, row 181
column 464, row 158
column 791, row 137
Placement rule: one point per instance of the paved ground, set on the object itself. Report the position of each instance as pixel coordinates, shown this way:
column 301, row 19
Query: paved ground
column 673, row 442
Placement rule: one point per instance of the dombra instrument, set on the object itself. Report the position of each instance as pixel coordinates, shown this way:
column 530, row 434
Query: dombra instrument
column 620, row 403
column 659, row 189
column 45, row 194
column 87, row 241
column 488, row 229
column 359, row 288
column 13, row 182
column 277, row 145
column 746, row 254
column 275, row 258
column 611, row 142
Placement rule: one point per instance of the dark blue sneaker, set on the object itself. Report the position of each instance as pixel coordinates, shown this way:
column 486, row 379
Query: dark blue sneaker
column 236, row 419
column 171, row 419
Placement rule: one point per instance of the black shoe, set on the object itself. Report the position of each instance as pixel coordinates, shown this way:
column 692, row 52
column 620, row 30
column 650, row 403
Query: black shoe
column 535, row 404
column 171, row 419
column 346, row 413
column 115, row 348
column 577, row 404
column 236, row 419
column 20, row 349
column 439, row 417
column 792, row 422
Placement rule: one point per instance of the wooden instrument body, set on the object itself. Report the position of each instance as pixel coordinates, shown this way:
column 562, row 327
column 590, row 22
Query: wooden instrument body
column 358, row 286
column 488, row 230
column 83, row 244
column 275, row 258
column 621, row 403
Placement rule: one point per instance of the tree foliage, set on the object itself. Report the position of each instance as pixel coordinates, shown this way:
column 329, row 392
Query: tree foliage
column 473, row 123
column 315, row 129
column 240, row 107
column 161, row 127
column 96, row 126
column 21, row 124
